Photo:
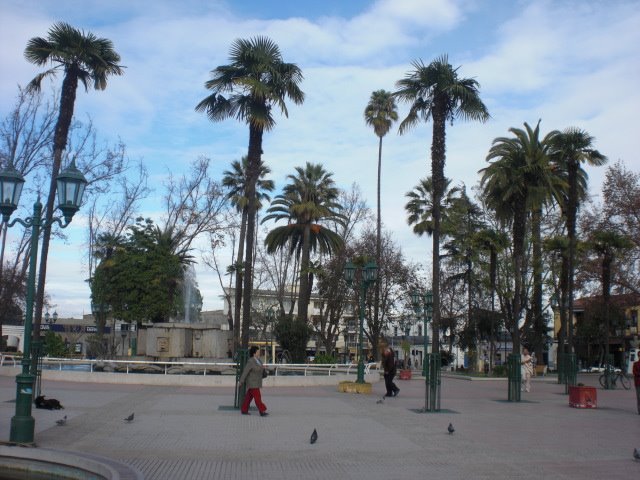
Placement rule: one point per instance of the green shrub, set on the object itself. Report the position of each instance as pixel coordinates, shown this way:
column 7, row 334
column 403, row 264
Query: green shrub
column 323, row 358
column 499, row 371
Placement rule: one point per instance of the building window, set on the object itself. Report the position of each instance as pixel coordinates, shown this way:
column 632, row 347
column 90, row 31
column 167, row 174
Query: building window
column 419, row 330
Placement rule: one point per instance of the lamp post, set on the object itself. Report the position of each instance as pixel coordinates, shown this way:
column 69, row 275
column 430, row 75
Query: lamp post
column 70, row 186
column 423, row 304
column 368, row 275
column 430, row 364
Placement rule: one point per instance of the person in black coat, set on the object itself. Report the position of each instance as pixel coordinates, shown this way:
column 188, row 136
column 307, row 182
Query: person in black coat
column 389, row 366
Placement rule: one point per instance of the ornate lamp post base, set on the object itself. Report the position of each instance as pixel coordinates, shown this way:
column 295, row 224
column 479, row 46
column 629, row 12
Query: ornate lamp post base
column 22, row 423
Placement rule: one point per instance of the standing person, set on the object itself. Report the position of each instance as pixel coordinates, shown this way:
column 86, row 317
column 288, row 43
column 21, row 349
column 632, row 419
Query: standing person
column 253, row 374
column 389, row 366
column 636, row 381
column 527, row 370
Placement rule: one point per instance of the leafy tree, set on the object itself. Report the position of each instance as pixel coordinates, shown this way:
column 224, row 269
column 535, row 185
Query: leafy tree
column 293, row 335
column 435, row 91
column 380, row 113
column 54, row 345
column 84, row 58
column 256, row 80
column 309, row 198
column 140, row 280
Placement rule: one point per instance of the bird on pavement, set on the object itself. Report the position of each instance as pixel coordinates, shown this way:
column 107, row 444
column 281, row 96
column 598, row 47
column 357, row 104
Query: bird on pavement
column 314, row 437
column 62, row 421
column 129, row 419
column 450, row 429
column 381, row 400
column 636, row 454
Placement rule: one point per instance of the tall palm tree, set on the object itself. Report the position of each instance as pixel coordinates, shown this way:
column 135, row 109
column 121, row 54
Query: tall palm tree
column 309, row 198
column 570, row 149
column 256, row 80
column 235, row 180
column 380, row 113
column 435, row 91
column 517, row 181
column 85, row 59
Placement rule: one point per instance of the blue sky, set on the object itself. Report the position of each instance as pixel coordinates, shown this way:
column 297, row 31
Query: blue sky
column 569, row 63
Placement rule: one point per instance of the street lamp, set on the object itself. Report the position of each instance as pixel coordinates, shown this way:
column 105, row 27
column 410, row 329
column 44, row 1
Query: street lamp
column 423, row 304
column 70, row 187
column 430, row 363
column 368, row 275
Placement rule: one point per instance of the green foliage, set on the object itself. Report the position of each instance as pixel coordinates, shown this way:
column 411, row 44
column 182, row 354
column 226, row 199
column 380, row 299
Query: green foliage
column 499, row 371
column 293, row 335
column 54, row 346
column 323, row 358
column 140, row 278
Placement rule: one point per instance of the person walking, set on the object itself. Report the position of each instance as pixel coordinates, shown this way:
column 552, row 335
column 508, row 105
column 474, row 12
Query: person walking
column 636, row 381
column 389, row 366
column 527, row 370
column 252, row 375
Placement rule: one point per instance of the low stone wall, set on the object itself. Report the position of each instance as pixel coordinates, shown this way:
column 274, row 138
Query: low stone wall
column 189, row 380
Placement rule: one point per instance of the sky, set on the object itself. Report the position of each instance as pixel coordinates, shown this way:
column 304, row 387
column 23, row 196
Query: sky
column 566, row 63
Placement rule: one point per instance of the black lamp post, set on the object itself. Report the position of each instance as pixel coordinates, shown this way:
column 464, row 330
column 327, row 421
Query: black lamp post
column 368, row 275
column 70, row 186
column 424, row 304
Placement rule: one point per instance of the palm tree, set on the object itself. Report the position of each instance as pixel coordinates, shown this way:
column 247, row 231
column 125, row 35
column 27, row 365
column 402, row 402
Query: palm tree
column 235, row 180
column 256, row 80
column 84, row 58
column 380, row 113
column 419, row 208
column 435, row 91
column 517, row 181
column 570, row 148
column 309, row 198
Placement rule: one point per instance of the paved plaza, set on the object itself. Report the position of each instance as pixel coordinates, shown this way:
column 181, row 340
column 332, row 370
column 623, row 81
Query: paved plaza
column 194, row 433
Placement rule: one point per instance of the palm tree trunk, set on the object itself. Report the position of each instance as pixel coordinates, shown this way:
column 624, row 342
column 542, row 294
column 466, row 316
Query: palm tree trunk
column 253, row 171
column 376, row 307
column 519, row 230
column 239, row 276
column 537, row 282
column 67, row 103
column 303, row 294
column 571, row 233
column 437, row 175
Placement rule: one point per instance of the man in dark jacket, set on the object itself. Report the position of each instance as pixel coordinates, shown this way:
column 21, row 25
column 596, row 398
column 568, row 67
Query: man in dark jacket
column 389, row 366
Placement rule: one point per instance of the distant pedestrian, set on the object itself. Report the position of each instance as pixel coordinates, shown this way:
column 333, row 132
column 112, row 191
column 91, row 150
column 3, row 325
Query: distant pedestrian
column 636, row 381
column 527, row 370
column 252, row 375
column 389, row 366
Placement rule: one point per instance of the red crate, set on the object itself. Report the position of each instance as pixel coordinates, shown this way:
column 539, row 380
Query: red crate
column 583, row 397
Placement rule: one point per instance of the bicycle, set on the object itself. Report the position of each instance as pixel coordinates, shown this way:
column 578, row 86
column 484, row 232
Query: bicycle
column 615, row 378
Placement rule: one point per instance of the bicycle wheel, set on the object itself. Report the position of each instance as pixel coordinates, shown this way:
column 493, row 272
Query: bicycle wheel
column 624, row 381
column 602, row 380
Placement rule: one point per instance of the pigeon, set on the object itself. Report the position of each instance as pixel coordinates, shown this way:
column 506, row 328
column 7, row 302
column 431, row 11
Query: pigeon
column 314, row 437
column 62, row 421
column 381, row 400
column 450, row 429
column 129, row 419
column 636, row 454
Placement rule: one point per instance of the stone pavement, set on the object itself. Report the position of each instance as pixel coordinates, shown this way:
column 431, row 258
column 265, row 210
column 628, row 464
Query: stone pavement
column 193, row 433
